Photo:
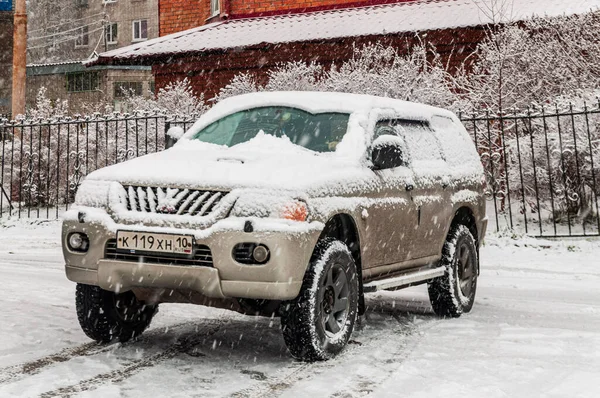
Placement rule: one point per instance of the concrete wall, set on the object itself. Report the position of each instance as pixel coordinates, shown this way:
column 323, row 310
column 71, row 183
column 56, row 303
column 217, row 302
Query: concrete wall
column 87, row 101
column 6, row 48
column 47, row 20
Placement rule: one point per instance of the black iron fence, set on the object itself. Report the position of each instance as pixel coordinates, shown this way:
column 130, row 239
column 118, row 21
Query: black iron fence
column 43, row 161
column 542, row 165
column 542, row 168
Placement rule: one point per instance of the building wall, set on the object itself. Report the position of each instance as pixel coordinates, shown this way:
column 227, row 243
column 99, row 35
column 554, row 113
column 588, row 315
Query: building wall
column 178, row 15
column 86, row 101
column 210, row 72
column 253, row 7
column 52, row 37
column 6, row 38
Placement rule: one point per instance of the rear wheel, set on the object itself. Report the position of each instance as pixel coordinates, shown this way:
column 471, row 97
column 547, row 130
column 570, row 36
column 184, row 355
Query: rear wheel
column 105, row 316
column 454, row 293
column 319, row 322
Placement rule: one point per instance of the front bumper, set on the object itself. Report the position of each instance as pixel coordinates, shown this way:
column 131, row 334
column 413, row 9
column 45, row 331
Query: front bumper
column 291, row 245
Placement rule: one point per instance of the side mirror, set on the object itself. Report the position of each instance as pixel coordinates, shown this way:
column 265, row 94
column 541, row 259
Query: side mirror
column 387, row 152
column 173, row 135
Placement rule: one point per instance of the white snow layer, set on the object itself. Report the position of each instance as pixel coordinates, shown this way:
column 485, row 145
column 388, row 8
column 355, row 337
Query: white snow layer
column 534, row 332
column 359, row 21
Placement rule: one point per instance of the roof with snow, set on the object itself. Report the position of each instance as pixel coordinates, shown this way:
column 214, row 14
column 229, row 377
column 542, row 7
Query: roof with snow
column 419, row 15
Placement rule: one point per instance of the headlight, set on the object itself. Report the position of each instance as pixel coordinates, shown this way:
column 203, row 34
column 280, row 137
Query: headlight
column 92, row 193
column 78, row 242
column 267, row 206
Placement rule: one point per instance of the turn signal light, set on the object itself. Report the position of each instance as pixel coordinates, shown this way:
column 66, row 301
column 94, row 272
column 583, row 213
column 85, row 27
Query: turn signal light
column 296, row 211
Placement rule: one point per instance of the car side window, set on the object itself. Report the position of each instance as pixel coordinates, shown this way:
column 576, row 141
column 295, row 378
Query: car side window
column 417, row 135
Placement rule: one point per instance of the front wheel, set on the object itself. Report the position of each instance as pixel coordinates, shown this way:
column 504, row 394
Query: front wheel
column 454, row 293
column 319, row 322
column 105, row 316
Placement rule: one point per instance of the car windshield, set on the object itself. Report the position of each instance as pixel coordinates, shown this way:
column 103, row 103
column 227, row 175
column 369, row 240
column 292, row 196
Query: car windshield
column 318, row 132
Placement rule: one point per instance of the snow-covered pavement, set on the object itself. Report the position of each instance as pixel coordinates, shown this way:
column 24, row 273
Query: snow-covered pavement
column 534, row 331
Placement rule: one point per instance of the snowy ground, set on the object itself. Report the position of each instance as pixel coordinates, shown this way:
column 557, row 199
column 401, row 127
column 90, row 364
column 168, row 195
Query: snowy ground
column 535, row 331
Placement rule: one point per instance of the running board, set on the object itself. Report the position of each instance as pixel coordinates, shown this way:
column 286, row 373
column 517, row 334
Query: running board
column 403, row 280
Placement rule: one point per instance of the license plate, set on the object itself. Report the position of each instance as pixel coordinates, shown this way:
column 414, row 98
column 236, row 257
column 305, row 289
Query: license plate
column 149, row 242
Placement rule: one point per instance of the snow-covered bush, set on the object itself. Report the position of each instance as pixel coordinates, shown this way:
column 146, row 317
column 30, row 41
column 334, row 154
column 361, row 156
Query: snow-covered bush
column 177, row 98
column 46, row 108
column 533, row 62
column 378, row 70
column 374, row 69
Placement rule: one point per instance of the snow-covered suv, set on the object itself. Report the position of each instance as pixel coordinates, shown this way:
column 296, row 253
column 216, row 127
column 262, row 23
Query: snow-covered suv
column 287, row 203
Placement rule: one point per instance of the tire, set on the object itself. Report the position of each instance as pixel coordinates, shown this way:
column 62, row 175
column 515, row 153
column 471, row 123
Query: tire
column 454, row 293
column 319, row 322
column 105, row 316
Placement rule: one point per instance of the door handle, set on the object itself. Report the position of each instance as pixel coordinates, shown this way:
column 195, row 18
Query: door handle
column 409, row 187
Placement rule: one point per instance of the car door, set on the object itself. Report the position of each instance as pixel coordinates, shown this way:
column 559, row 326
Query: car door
column 389, row 215
column 430, row 195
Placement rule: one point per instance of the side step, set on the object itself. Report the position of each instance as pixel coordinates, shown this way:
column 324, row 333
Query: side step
column 403, row 280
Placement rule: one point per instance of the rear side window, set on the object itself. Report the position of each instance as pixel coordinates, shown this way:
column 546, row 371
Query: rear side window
column 418, row 137
column 458, row 148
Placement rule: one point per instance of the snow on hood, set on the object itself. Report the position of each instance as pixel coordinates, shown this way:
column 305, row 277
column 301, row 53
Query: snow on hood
column 264, row 162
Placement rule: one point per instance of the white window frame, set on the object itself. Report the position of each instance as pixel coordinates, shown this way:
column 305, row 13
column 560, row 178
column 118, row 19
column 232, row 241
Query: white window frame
column 80, row 35
column 215, row 7
column 108, row 28
column 108, row 1
column 139, row 23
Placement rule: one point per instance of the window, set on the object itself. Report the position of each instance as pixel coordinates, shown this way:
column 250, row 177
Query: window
column 110, row 32
column 124, row 88
column 83, row 81
column 83, row 37
column 318, row 132
column 215, row 7
column 417, row 135
column 140, row 30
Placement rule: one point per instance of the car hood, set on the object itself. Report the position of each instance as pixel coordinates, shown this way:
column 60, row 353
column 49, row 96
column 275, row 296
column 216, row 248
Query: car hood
column 283, row 166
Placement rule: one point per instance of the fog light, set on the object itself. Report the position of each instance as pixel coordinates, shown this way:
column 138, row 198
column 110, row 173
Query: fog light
column 260, row 254
column 78, row 242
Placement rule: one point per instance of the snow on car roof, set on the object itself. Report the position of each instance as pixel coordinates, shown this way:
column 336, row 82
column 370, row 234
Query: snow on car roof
column 383, row 19
column 319, row 102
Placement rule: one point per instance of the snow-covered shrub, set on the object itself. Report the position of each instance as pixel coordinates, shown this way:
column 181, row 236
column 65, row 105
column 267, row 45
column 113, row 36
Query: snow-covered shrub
column 532, row 62
column 374, row 69
column 296, row 76
column 378, row 70
column 46, row 108
column 177, row 98
column 242, row 83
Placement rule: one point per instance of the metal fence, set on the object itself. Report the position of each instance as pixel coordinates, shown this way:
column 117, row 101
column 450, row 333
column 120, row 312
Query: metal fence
column 43, row 161
column 542, row 166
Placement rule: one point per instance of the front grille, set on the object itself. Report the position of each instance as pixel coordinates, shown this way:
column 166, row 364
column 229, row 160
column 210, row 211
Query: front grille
column 171, row 200
column 202, row 256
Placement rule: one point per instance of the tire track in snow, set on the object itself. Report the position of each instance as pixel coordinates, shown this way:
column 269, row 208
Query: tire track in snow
column 289, row 376
column 17, row 372
column 361, row 386
column 182, row 345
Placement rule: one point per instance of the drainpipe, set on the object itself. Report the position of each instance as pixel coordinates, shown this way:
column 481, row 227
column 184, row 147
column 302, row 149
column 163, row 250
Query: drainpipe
column 19, row 58
column 226, row 8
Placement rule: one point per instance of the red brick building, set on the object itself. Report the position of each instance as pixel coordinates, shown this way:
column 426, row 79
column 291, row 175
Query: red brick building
column 210, row 41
